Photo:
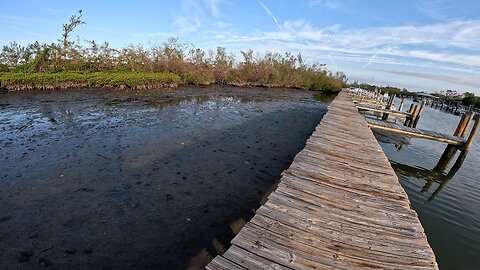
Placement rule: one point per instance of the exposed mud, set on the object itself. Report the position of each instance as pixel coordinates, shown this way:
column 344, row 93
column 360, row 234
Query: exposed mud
column 102, row 179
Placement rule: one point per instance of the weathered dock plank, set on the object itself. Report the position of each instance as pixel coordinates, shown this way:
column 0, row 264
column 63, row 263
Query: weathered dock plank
column 338, row 206
column 382, row 110
column 415, row 132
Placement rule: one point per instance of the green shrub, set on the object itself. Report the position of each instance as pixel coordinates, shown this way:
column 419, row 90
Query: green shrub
column 3, row 68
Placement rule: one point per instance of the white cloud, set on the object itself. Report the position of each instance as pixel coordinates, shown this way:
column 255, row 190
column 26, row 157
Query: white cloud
column 464, row 59
column 441, row 77
column 270, row 14
column 451, row 46
column 20, row 20
column 446, row 40
column 221, row 24
column 52, row 10
column 329, row 4
column 436, row 9
column 194, row 14
column 370, row 61
column 213, row 6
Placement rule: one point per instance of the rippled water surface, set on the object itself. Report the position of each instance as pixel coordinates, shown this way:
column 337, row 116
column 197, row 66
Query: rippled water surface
column 447, row 200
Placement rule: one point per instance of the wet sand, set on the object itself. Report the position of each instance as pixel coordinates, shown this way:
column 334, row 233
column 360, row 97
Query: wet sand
column 99, row 179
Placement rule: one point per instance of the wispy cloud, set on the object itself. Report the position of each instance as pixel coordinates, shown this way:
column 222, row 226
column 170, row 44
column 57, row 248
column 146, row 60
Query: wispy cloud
column 434, row 8
column 434, row 76
column 270, row 14
column 190, row 17
column 213, row 6
column 221, row 24
column 329, row 4
column 21, row 20
column 446, row 40
column 330, row 57
column 52, row 10
column 448, row 47
column 370, row 61
column 194, row 14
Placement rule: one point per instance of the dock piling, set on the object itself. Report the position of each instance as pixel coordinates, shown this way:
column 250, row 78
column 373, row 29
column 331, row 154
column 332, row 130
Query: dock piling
column 411, row 108
column 445, row 159
column 472, row 134
column 468, row 121
column 419, row 114
column 414, row 115
column 401, row 104
column 461, row 125
column 389, row 106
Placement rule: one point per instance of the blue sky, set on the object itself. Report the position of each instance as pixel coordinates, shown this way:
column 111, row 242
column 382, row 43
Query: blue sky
column 421, row 45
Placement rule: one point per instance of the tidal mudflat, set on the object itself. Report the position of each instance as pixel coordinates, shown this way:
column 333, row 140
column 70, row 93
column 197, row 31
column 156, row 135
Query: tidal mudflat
column 157, row 179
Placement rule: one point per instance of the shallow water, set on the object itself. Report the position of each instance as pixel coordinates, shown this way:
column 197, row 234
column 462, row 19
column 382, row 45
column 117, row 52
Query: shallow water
column 96, row 179
column 447, row 202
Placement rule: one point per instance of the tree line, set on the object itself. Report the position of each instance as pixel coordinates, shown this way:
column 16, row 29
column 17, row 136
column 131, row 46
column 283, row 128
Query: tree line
column 467, row 99
column 190, row 64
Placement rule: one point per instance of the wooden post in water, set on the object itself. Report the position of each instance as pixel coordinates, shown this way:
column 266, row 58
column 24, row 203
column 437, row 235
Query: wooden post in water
column 408, row 118
column 382, row 98
column 411, row 108
column 472, row 134
column 389, row 106
column 450, row 174
column 392, row 102
column 414, row 115
column 461, row 125
column 445, row 159
column 450, row 151
column 419, row 114
column 401, row 104
column 468, row 121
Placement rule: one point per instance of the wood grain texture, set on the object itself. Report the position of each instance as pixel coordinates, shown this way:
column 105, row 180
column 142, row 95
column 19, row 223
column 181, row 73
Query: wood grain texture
column 415, row 132
column 382, row 110
column 338, row 206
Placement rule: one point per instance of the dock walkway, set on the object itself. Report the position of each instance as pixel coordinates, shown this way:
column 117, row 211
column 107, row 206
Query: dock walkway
column 338, row 206
column 382, row 110
column 415, row 132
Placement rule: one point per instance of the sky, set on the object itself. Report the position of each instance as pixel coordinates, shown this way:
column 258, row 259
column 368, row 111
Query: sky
column 417, row 44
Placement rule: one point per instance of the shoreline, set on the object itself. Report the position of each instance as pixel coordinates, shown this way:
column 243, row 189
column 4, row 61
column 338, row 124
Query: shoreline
column 16, row 81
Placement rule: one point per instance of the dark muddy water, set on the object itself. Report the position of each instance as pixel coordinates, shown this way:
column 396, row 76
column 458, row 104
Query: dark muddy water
column 447, row 199
column 95, row 179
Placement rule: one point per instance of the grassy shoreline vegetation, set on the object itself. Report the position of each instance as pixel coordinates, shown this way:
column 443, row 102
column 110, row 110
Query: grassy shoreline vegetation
column 70, row 64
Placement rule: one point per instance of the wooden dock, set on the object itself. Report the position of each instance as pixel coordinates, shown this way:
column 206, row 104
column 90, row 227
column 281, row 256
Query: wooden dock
column 415, row 132
column 338, row 206
column 382, row 110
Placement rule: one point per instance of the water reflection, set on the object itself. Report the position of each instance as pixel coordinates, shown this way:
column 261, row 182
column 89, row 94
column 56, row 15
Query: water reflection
column 449, row 210
column 439, row 174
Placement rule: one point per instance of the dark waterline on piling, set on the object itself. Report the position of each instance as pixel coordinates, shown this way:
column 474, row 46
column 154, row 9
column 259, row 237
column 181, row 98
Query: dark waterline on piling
column 446, row 200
